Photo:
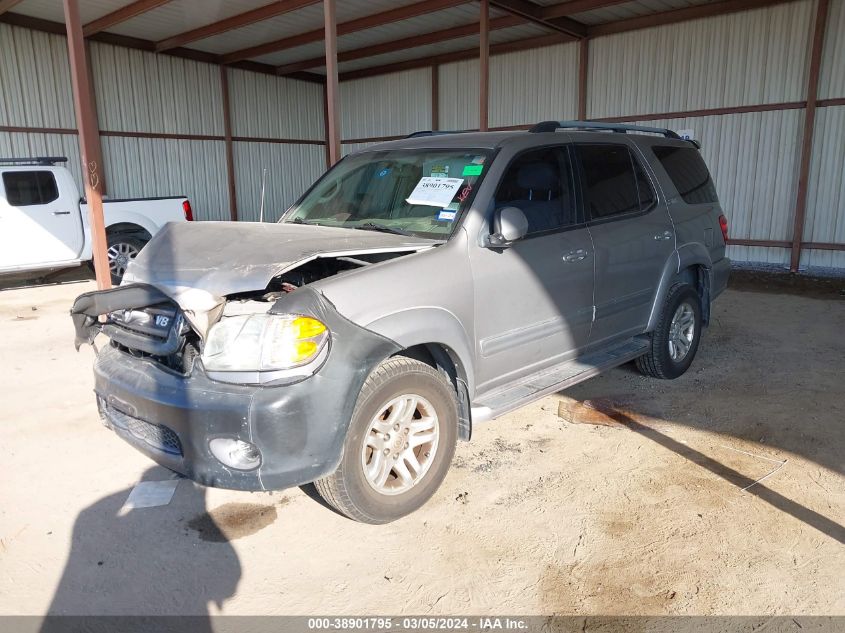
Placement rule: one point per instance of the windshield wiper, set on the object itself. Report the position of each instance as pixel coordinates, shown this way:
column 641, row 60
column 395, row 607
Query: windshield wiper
column 301, row 221
column 382, row 228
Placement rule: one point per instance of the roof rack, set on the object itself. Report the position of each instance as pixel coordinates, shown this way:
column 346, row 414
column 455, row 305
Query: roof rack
column 41, row 161
column 620, row 128
column 435, row 133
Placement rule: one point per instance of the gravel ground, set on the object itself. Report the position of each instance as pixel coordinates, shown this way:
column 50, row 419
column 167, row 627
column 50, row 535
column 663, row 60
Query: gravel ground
column 622, row 496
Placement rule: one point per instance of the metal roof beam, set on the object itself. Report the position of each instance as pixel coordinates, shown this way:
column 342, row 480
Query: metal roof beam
column 122, row 14
column 680, row 15
column 534, row 13
column 272, row 10
column 414, row 41
column 367, row 22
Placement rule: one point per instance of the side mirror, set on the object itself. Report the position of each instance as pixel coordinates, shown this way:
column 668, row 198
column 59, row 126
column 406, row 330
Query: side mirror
column 510, row 225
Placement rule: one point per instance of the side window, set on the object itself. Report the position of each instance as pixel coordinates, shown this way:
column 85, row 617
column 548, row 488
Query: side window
column 539, row 182
column 25, row 188
column 688, row 173
column 614, row 184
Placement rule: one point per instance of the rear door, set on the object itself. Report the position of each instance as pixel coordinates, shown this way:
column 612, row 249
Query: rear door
column 38, row 225
column 632, row 234
column 534, row 300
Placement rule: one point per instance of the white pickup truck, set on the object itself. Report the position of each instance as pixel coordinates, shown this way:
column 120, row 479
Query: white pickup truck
column 44, row 222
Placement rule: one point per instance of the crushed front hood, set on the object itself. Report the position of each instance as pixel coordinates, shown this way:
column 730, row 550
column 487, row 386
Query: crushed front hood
column 199, row 263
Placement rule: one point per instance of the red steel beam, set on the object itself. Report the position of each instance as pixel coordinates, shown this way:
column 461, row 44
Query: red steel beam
column 84, row 109
column 400, row 45
column 583, row 67
column 576, row 6
column 272, row 10
column 332, row 96
column 484, row 66
column 816, row 51
column 534, row 13
column 367, row 22
column 227, row 136
column 122, row 14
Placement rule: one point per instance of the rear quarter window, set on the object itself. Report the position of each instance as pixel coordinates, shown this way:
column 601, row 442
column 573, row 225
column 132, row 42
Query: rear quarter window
column 688, row 173
column 27, row 188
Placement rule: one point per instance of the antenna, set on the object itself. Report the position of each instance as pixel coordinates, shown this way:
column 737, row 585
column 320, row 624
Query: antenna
column 261, row 211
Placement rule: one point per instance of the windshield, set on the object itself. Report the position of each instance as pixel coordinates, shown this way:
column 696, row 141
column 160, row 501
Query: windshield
column 410, row 192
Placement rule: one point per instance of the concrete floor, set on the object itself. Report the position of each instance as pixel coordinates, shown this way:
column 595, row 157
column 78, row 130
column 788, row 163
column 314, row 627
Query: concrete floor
column 631, row 504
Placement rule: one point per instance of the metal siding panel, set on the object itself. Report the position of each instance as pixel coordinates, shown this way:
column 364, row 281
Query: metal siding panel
column 141, row 167
column 275, row 107
column 825, row 221
column 745, row 58
column 142, row 92
column 386, row 105
column 458, row 95
column 27, row 145
column 832, row 80
column 35, row 86
column 291, row 170
column 349, row 148
column 534, row 85
column 753, row 159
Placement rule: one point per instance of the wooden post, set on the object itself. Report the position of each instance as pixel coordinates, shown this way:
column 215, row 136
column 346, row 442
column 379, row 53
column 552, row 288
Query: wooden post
column 332, row 109
column 484, row 66
column 227, row 134
column 583, row 65
column 91, row 168
column 435, row 97
column 809, row 130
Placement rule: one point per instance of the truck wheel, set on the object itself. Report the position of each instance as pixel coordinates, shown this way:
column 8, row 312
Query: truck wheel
column 674, row 341
column 123, row 248
column 400, row 443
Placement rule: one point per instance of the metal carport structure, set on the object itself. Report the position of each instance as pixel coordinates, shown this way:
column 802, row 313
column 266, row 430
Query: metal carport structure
column 585, row 57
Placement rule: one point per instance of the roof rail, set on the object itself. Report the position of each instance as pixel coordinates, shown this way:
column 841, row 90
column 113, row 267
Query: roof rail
column 436, row 133
column 41, row 161
column 621, row 128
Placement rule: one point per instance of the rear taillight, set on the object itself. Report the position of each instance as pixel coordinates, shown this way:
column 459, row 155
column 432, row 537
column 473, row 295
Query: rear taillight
column 723, row 224
column 189, row 213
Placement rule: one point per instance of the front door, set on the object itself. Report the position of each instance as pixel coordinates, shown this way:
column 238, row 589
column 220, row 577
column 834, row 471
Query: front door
column 633, row 237
column 38, row 225
column 534, row 300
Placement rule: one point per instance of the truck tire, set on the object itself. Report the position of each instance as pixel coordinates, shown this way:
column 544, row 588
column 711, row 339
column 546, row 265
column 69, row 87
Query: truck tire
column 399, row 446
column 123, row 248
column 675, row 340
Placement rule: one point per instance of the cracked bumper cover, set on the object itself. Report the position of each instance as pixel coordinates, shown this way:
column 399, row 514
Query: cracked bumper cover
column 299, row 427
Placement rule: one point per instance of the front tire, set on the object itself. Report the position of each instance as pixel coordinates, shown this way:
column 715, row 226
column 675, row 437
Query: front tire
column 399, row 446
column 675, row 340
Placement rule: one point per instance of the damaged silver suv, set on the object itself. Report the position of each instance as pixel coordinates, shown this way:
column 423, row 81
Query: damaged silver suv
column 418, row 288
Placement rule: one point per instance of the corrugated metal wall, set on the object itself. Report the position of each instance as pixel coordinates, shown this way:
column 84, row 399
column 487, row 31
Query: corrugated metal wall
column 386, row 105
column 265, row 107
column 746, row 58
column 832, row 80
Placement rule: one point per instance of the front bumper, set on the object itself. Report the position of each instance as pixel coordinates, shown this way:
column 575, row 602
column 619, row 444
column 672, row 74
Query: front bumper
column 299, row 428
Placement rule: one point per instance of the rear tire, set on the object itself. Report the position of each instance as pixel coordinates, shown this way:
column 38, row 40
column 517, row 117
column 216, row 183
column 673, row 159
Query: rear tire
column 675, row 339
column 122, row 249
column 403, row 431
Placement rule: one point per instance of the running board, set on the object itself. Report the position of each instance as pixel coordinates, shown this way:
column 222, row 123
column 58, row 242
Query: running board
column 513, row 396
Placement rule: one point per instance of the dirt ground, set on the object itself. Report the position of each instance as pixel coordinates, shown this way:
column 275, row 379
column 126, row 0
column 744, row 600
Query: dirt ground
column 639, row 498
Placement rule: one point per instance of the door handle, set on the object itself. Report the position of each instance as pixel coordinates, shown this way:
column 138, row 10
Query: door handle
column 666, row 235
column 575, row 256
column 61, row 212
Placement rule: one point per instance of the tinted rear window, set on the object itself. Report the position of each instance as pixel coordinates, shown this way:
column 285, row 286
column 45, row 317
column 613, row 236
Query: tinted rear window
column 25, row 188
column 615, row 184
column 689, row 174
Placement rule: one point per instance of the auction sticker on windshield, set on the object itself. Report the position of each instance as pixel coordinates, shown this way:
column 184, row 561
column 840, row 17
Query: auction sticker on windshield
column 435, row 192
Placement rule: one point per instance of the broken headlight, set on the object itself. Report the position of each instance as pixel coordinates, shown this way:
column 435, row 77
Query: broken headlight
column 263, row 342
